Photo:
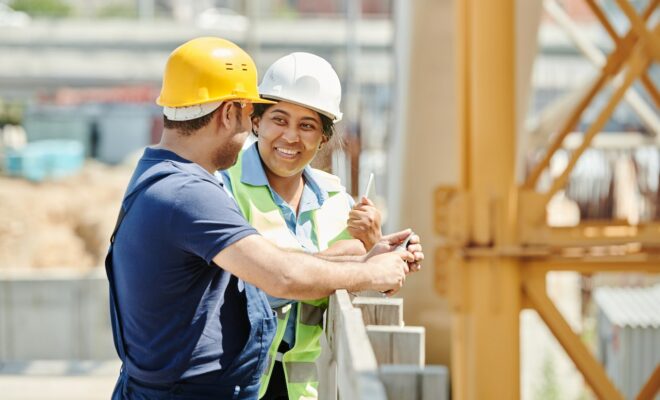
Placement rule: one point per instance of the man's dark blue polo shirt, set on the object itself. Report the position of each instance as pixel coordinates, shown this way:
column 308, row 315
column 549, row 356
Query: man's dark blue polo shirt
column 182, row 315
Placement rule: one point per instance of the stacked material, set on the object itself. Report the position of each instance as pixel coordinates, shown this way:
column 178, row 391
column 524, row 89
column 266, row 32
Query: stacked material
column 64, row 223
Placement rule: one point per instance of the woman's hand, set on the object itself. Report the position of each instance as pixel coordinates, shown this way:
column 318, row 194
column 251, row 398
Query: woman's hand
column 364, row 223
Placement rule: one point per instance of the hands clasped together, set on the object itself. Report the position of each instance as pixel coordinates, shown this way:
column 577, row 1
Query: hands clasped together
column 390, row 261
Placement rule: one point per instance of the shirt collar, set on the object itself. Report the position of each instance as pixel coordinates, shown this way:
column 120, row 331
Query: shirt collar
column 152, row 154
column 253, row 173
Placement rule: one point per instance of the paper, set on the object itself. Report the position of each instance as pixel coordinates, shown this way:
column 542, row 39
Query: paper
column 370, row 184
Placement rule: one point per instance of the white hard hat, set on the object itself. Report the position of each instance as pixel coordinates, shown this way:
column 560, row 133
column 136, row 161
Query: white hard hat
column 304, row 79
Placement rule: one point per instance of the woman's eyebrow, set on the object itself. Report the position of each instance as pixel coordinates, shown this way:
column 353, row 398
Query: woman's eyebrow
column 277, row 110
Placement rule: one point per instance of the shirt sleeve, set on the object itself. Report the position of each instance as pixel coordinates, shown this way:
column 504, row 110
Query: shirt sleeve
column 206, row 220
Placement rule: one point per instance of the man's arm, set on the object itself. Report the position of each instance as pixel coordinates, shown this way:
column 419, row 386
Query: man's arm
column 344, row 250
column 299, row 276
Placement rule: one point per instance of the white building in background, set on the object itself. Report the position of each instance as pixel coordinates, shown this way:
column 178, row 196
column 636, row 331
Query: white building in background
column 629, row 335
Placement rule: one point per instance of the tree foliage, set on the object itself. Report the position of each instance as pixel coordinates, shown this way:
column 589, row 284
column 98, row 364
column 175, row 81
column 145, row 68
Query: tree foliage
column 42, row 8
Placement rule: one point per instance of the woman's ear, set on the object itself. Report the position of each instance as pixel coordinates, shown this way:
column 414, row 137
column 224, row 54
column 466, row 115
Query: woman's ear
column 324, row 140
column 255, row 126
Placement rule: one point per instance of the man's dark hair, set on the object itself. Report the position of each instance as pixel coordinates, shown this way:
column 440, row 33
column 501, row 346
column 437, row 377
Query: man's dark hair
column 189, row 127
column 327, row 125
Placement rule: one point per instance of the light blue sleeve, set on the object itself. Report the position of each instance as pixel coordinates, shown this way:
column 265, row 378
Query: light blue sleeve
column 223, row 176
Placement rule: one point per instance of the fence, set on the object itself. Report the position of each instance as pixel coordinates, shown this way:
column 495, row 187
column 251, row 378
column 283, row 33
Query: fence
column 368, row 353
column 59, row 314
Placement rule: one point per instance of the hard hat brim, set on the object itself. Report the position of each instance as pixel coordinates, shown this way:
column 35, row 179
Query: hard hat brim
column 262, row 100
column 275, row 99
column 162, row 103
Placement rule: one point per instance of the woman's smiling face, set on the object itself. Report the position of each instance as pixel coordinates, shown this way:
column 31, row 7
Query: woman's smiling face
column 289, row 136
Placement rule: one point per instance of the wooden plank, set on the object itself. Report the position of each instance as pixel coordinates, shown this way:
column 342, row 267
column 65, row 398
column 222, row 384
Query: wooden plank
column 397, row 344
column 327, row 367
column 435, row 383
column 356, row 367
column 380, row 311
column 414, row 382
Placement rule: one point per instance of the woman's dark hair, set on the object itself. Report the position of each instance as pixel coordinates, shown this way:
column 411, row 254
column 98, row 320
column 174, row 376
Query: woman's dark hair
column 327, row 125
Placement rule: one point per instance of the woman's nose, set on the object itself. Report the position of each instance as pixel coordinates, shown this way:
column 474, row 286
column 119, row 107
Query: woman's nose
column 290, row 135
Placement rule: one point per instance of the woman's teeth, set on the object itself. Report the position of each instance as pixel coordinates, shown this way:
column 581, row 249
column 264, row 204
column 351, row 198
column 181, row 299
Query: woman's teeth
column 287, row 151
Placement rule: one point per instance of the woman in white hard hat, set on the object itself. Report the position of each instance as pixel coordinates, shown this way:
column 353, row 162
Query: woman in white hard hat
column 298, row 207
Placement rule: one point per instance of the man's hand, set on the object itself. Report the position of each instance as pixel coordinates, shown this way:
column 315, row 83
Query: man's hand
column 389, row 272
column 364, row 223
column 415, row 247
column 413, row 255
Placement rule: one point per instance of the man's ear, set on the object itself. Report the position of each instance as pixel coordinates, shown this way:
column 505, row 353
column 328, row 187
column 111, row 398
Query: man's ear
column 224, row 114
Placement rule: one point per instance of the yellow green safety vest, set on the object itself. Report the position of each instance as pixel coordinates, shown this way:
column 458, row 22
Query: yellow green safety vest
column 329, row 226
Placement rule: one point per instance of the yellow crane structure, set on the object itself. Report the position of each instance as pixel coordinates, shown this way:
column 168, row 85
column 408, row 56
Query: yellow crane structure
column 499, row 246
column 494, row 247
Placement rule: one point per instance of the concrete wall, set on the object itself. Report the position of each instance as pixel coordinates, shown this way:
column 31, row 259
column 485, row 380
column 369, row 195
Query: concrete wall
column 424, row 152
column 48, row 315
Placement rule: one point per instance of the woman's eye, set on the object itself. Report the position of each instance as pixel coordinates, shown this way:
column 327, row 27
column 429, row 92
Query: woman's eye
column 308, row 127
column 279, row 121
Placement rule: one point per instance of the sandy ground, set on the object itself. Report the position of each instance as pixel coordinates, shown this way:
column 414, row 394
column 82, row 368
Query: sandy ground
column 64, row 223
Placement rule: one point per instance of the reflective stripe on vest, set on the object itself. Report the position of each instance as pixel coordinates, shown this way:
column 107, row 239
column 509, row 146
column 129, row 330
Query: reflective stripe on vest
column 301, row 372
column 281, row 311
column 329, row 225
column 311, row 315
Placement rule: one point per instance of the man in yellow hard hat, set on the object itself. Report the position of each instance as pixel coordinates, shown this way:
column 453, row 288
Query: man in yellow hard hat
column 184, row 266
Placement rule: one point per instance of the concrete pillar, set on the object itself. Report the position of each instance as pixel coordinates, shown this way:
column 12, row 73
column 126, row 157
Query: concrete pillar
column 423, row 151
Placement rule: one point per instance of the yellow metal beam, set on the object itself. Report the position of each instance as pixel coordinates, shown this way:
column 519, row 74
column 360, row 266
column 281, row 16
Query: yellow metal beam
column 652, row 6
column 600, row 15
column 597, row 264
column 611, row 68
column 592, row 370
column 652, row 386
column 485, row 293
column 636, row 65
column 463, row 88
column 650, row 87
column 497, row 247
column 602, row 233
column 639, row 26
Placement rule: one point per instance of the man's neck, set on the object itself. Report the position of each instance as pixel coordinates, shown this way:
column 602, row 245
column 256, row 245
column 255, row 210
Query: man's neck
column 186, row 147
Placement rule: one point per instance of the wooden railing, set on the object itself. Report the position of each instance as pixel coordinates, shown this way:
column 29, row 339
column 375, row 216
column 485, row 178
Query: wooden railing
column 368, row 353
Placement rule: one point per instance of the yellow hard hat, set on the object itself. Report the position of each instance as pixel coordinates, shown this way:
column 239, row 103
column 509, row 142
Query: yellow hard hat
column 208, row 69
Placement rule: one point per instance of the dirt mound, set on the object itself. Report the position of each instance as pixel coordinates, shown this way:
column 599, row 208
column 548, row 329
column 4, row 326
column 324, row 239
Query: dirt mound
column 65, row 223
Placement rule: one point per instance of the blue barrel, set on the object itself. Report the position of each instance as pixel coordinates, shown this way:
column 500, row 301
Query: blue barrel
column 45, row 159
